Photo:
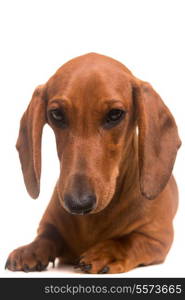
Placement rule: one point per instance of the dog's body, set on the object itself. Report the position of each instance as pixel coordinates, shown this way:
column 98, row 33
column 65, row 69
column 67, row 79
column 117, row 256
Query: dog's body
column 99, row 212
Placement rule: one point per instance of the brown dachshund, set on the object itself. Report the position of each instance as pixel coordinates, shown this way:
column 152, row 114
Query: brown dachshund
column 115, row 199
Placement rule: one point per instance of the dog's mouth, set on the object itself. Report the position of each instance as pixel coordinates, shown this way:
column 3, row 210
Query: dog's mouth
column 78, row 211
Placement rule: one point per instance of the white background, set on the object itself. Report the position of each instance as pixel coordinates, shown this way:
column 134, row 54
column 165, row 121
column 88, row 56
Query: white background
column 36, row 38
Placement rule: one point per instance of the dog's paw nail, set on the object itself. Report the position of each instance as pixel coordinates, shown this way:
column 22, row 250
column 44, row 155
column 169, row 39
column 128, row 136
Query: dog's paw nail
column 87, row 267
column 104, row 270
column 81, row 264
column 39, row 266
column 7, row 264
column 52, row 260
column 76, row 266
column 26, row 268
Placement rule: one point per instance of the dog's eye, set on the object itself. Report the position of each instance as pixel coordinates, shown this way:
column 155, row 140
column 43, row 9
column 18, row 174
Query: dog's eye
column 58, row 117
column 113, row 117
column 56, row 114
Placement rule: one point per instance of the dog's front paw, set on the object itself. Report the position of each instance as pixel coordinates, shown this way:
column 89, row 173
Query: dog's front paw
column 32, row 257
column 105, row 257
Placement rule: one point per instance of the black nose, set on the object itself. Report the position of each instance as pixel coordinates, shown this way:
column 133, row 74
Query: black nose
column 80, row 205
column 79, row 197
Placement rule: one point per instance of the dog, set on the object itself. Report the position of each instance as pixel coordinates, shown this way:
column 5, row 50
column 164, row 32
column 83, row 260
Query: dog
column 115, row 198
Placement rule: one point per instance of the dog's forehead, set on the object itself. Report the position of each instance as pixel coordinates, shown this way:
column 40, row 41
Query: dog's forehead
column 91, row 76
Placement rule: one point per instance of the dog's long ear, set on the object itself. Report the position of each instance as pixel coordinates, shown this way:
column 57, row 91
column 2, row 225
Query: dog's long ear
column 158, row 140
column 29, row 141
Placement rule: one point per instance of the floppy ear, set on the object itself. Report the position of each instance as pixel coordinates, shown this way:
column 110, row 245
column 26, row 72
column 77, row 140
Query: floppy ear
column 158, row 141
column 29, row 142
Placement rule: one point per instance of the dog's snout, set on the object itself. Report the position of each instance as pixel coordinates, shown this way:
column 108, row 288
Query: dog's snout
column 79, row 197
column 80, row 205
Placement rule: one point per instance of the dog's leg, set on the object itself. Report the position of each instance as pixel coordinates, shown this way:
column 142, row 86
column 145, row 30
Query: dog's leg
column 124, row 254
column 37, row 255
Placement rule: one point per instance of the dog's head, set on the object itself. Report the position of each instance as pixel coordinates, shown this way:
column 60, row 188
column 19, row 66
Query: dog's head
column 94, row 104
